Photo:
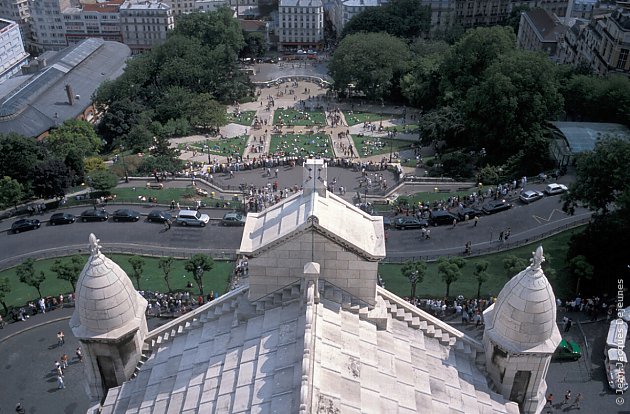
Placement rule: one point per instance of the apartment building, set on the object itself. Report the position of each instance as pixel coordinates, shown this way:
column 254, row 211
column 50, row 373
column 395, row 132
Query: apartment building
column 93, row 20
column 344, row 10
column 17, row 11
column 12, row 53
column 47, row 27
column 473, row 13
column 300, row 25
column 540, row 31
column 144, row 24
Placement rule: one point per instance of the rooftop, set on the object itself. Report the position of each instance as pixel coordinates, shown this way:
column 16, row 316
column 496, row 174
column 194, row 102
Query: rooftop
column 40, row 102
column 582, row 136
column 546, row 28
column 301, row 3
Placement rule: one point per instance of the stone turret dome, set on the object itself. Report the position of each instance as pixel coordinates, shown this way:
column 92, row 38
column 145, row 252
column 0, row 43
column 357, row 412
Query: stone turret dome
column 524, row 315
column 107, row 305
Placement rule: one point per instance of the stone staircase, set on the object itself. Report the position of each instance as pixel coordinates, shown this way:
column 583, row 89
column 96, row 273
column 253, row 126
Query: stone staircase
column 432, row 327
column 284, row 295
column 209, row 311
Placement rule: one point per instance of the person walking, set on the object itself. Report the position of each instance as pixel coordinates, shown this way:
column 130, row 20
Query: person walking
column 568, row 325
column 567, row 397
column 19, row 409
column 578, row 400
column 476, row 221
column 501, row 236
column 79, row 354
column 64, row 361
column 60, row 338
column 60, row 383
column 550, row 399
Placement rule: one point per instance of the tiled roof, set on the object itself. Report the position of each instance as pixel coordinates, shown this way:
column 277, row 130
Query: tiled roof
column 236, row 356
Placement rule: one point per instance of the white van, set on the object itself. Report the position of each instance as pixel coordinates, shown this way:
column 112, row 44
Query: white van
column 192, row 218
column 617, row 333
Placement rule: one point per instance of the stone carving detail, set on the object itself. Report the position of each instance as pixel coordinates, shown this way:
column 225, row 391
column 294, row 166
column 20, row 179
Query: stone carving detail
column 537, row 258
column 312, row 220
column 326, row 405
column 95, row 248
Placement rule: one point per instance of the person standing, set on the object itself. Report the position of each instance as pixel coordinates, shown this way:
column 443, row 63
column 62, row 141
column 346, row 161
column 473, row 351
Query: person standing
column 567, row 397
column 60, row 338
column 568, row 325
column 64, row 361
column 476, row 221
column 550, row 399
column 19, row 409
column 79, row 354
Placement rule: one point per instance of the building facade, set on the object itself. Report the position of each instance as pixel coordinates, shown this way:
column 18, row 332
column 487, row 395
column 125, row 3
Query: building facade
column 17, row 11
column 344, row 10
column 145, row 24
column 48, row 31
column 300, row 25
column 603, row 44
column 539, row 31
column 12, row 53
column 93, row 20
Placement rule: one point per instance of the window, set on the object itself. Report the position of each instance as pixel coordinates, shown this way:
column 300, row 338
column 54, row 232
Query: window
column 623, row 58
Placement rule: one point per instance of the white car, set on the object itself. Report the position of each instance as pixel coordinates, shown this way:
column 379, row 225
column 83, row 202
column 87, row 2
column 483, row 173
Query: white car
column 530, row 196
column 553, row 189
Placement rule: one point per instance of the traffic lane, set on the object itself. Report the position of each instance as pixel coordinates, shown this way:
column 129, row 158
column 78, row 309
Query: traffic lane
column 521, row 219
column 141, row 233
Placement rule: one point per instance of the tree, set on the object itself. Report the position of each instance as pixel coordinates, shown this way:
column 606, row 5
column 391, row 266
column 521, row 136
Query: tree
column 197, row 265
column 481, row 275
column 10, row 192
column 73, row 135
column 513, row 264
column 254, row 45
column 76, row 167
column 467, row 59
column 372, row 62
column 18, row 155
column 27, row 275
column 407, row 19
column 421, row 85
column 414, row 271
column 137, row 264
column 519, row 91
column 68, row 270
column 445, row 124
column 103, row 180
column 165, row 264
column 94, row 164
column 50, row 178
column 450, row 270
column 5, row 289
column 206, row 113
column 603, row 179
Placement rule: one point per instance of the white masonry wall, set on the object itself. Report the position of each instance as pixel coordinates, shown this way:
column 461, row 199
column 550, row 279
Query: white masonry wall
column 284, row 264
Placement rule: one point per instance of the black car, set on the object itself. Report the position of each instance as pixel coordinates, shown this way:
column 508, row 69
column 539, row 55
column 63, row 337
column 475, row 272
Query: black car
column 62, row 218
column 25, row 225
column 94, row 215
column 126, row 215
column 470, row 212
column 495, row 206
column 409, row 222
column 441, row 217
column 158, row 216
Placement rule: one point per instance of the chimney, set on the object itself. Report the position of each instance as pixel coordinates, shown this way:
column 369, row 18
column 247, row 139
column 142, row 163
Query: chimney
column 70, row 94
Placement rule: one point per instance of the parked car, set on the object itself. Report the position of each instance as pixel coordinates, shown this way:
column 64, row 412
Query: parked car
column 567, row 350
column 530, row 196
column 409, row 222
column 470, row 212
column 441, row 217
column 25, row 225
column 94, row 215
column 495, row 206
column 233, row 219
column 62, row 218
column 192, row 218
column 126, row 215
column 554, row 189
column 155, row 186
column 158, row 216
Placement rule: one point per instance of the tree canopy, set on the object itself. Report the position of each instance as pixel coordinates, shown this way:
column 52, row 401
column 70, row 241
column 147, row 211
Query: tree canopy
column 73, row 135
column 407, row 19
column 371, row 62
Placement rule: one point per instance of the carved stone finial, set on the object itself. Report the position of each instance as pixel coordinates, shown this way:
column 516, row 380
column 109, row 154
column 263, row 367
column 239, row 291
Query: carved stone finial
column 538, row 258
column 95, row 248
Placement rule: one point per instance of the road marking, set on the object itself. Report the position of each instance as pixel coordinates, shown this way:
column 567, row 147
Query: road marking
column 547, row 220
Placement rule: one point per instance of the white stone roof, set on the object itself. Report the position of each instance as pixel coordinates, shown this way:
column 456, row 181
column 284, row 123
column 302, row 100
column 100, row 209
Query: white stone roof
column 335, row 217
column 107, row 305
column 283, row 355
column 524, row 315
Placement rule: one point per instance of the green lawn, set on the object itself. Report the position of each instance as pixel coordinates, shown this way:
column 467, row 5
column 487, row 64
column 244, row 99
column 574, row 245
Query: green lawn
column 355, row 118
column 245, row 118
column 367, row 145
column 298, row 118
column 301, row 144
column 225, row 146
column 153, row 279
column 555, row 248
